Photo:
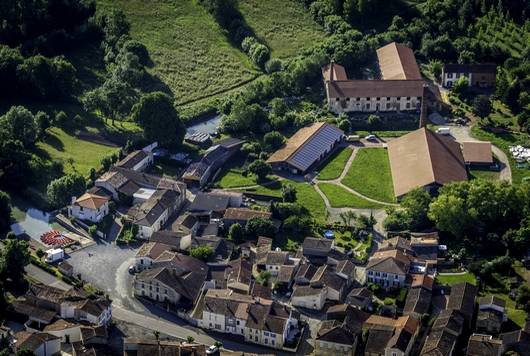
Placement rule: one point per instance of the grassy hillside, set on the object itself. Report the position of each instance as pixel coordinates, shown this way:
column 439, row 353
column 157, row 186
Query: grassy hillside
column 191, row 56
column 285, row 25
column 503, row 32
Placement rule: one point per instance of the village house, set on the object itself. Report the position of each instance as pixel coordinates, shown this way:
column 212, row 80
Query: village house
column 336, row 337
column 199, row 173
column 274, row 260
column 137, row 347
column 137, row 161
column 484, row 345
column 309, row 296
column 443, row 336
column 360, row 298
column 387, row 336
column 424, row 159
column 262, row 322
column 148, row 253
column 419, row 296
column 242, row 215
column 209, row 206
column 174, row 278
column 41, row 344
column 89, row 207
column 151, row 215
column 388, row 268
column 477, row 154
column 462, row 298
column 491, row 314
column 307, row 147
column 518, row 341
column 316, row 250
column 399, row 89
column 477, row 75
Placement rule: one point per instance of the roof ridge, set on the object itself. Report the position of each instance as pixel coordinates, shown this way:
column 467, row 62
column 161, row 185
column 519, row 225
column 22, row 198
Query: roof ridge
column 321, row 123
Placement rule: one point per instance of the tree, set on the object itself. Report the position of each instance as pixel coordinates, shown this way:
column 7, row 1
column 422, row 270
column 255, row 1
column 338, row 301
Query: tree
column 204, row 253
column 259, row 227
column 273, row 140
column 40, row 253
column 260, row 168
column 482, row 106
column 523, row 297
column 190, row 339
column 157, row 115
column 61, row 190
column 236, row 233
column 278, row 107
column 416, row 204
column 345, row 125
column 374, row 120
column 460, row 86
column 114, row 99
column 289, row 193
column 25, row 352
column 435, row 66
column 5, row 211
column 13, row 258
column 19, row 124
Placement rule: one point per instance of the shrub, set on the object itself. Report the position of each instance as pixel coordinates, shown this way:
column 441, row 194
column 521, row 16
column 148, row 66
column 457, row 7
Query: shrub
column 247, row 43
column 273, row 65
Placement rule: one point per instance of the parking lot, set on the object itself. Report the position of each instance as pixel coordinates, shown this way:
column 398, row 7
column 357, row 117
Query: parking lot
column 105, row 266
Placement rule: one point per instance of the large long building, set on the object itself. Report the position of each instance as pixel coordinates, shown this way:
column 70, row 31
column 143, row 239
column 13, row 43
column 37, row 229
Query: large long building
column 424, row 159
column 306, row 147
column 399, row 89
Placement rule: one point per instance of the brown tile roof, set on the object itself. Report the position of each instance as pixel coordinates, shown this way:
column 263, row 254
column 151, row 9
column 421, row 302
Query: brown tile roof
column 152, row 250
column 423, row 157
column 245, row 214
column 462, row 298
column 375, row 88
column 59, row 325
column 338, row 71
column 477, row 152
column 422, row 280
column 32, row 341
column 132, row 159
column 483, row 345
column 397, row 61
column 91, row 201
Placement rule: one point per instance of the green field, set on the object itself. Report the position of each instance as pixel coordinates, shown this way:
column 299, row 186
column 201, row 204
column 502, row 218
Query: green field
column 370, row 175
column 83, row 155
column 493, row 29
column 308, row 197
column 284, row 25
column 191, row 55
column 504, row 141
column 484, row 174
column 458, row 278
column 334, row 166
column 340, row 198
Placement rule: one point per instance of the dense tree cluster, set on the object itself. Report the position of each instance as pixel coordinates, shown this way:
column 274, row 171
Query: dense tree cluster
column 491, row 217
column 61, row 190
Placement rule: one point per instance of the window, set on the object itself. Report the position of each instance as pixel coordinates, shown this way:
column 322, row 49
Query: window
column 218, row 326
column 378, row 98
column 394, row 353
column 368, row 106
column 388, row 105
column 265, row 333
column 388, row 98
column 370, row 273
column 256, row 338
column 408, row 97
column 358, row 99
column 367, row 98
column 347, row 99
column 141, row 261
column 266, row 341
column 337, row 99
column 237, row 322
column 272, row 342
column 377, row 274
column 449, row 75
column 396, row 277
column 408, row 105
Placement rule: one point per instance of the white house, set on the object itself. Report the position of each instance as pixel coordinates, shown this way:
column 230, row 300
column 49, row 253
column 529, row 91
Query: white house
column 98, row 312
column 42, row 344
column 68, row 332
column 311, row 297
column 90, row 207
column 137, row 160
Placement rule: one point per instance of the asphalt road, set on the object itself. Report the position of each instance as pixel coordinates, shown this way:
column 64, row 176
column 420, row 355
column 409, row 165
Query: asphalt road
column 45, row 278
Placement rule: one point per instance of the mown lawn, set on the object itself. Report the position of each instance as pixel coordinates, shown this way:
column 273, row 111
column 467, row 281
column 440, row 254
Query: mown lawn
column 504, row 141
column 285, row 25
column 458, row 278
column 340, row 198
column 75, row 154
column 370, row 174
column 191, row 55
column 484, row 174
column 334, row 166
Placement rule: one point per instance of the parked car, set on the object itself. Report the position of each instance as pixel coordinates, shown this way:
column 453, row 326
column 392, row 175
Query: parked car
column 132, row 269
column 54, row 255
column 371, row 138
column 443, row 131
column 212, row 350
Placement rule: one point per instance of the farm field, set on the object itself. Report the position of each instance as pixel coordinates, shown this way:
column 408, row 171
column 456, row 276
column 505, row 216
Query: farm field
column 192, row 57
column 83, row 155
column 370, row 175
column 285, row 25
column 340, row 198
column 334, row 166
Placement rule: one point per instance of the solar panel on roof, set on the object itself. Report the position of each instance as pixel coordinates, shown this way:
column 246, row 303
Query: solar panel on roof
column 314, row 148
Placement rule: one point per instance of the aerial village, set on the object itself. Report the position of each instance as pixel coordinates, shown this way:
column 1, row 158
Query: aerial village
column 211, row 257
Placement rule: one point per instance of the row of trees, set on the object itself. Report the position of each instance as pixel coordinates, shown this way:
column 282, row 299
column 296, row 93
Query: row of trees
column 228, row 16
column 491, row 217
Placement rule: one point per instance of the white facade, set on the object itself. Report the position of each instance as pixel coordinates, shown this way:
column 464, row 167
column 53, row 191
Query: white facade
column 374, row 104
column 385, row 280
column 314, row 301
column 145, row 232
column 221, row 323
column 84, row 213
column 69, row 335
column 156, row 291
column 449, row 79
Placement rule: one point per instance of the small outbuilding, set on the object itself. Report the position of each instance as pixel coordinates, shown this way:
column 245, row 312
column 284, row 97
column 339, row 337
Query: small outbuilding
column 477, row 153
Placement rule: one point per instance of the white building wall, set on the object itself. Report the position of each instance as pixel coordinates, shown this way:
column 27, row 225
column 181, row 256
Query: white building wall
column 94, row 215
column 371, row 104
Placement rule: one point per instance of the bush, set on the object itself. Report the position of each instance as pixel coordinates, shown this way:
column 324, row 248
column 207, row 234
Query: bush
column 273, row 65
column 92, row 230
column 247, row 44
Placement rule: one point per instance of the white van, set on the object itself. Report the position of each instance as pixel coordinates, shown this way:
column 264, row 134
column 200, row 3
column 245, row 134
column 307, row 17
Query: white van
column 443, row 131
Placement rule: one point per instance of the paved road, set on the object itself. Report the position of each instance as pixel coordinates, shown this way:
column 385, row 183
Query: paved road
column 45, row 278
column 463, row 134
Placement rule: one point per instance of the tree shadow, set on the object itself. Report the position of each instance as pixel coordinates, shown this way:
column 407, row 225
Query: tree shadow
column 151, row 83
column 54, row 141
